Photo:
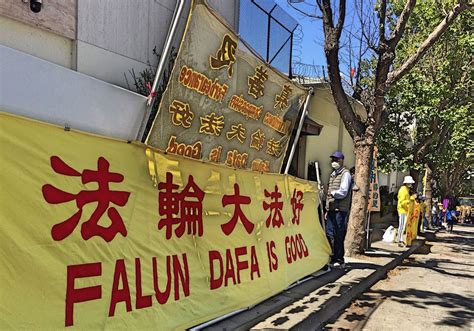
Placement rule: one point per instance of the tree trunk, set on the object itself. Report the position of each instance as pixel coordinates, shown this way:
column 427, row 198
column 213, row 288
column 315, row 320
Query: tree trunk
column 428, row 192
column 415, row 174
column 447, row 187
column 355, row 238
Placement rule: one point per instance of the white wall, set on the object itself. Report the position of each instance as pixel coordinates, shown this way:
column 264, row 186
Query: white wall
column 114, row 37
column 42, row 90
column 333, row 136
column 38, row 42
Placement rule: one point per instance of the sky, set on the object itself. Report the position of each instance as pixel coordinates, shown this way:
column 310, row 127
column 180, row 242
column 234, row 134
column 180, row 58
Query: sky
column 309, row 51
column 313, row 38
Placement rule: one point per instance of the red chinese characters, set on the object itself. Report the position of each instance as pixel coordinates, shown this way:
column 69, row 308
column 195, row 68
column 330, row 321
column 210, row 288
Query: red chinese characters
column 180, row 208
column 296, row 206
column 102, row 195
column 236, row 200
column 275, row 218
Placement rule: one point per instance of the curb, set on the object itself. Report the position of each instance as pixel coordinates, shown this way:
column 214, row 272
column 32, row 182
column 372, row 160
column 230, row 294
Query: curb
column 249, row 318
column 333, row 307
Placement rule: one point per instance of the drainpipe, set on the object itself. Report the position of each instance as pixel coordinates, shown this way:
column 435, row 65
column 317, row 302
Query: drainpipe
column 161, row 64
column 298, row 132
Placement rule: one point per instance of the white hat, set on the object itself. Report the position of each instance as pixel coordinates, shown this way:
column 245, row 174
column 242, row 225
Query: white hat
column 408, row 180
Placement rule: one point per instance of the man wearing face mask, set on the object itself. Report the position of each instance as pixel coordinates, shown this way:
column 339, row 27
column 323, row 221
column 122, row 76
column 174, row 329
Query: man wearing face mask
column 337, row 205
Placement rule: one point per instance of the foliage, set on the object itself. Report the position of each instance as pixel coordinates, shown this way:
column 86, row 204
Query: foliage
column 431, row 108
column 379, row 35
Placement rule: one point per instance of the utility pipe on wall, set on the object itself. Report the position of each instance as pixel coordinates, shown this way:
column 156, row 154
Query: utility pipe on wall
column 161, row 64
column 298, row 132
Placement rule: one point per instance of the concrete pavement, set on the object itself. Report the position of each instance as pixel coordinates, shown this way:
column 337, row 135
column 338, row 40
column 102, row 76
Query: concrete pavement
column 430, row 291
column 312, row 303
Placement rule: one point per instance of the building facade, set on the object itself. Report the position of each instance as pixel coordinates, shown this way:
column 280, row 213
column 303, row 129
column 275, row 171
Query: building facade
column 78, row 57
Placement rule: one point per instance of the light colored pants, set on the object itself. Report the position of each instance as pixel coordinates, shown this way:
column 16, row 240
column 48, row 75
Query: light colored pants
column 402, row 221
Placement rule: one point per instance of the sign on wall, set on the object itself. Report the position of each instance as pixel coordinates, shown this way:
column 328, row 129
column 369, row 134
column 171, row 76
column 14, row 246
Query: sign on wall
column 223, row 104
column 98, row 233
column 374, row 191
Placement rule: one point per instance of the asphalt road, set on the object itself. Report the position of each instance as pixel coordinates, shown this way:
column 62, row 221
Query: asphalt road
column 433, row 290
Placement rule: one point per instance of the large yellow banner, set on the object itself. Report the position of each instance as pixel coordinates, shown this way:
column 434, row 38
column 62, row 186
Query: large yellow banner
column 223, row 103
column 97, row 233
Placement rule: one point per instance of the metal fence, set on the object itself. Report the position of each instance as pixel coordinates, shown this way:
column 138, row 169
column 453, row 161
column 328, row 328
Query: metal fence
column 271, row 32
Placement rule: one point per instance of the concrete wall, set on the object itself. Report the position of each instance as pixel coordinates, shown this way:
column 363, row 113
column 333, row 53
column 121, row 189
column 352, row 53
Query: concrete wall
column 115, row 37
column 56, row 16
column 333, row 137
column 100, row 39
column 104, row 39
column 41, row 90
column 38, row 42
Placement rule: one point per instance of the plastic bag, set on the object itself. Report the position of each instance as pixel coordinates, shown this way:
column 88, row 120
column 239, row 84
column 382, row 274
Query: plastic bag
column 390, row 234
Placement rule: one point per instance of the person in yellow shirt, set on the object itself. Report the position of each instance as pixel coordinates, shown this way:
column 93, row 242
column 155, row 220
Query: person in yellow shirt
column 402, row 206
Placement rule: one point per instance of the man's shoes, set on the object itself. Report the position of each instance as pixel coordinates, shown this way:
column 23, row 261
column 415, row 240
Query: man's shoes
column 325, row 268
column 339, row 265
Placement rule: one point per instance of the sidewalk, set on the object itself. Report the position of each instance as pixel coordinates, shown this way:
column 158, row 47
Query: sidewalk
column 315, row 300
column 431, row 291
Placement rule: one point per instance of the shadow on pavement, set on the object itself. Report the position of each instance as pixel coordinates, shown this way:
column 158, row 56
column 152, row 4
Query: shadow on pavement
column 434, row 264
column 461, row 307
column 462, row 241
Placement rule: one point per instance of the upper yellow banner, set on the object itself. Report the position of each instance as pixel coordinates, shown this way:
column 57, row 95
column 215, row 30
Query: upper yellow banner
column 87, row 240
column 223, row 104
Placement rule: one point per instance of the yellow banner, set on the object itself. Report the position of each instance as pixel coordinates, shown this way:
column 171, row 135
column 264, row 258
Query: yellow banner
column 412, row 221
column 223, row 103
column 90, row 240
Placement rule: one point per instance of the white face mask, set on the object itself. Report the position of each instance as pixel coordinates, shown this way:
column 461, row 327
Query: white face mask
column 335, row 165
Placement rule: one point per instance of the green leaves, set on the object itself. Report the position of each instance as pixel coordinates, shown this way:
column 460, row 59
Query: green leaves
column 431, row 109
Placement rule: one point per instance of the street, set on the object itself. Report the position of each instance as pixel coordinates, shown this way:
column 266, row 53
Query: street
column 433, row 290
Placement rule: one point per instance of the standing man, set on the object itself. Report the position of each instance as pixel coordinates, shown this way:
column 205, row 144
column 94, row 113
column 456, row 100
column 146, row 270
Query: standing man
column 434, row 213
column 337, row 206
column 402, row 206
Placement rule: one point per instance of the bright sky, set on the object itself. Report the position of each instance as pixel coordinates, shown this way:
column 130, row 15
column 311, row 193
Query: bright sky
column 313, row 40
column 312, row 45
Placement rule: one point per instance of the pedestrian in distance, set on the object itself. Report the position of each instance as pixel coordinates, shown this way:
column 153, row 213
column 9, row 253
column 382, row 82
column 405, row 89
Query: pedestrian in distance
column 440, row 215
column 450, row 215
column 434, row 213
column 402, row 206
column 337, row 206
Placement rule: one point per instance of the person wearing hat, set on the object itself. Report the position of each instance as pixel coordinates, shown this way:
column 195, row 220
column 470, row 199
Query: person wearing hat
column 338, row 202
column 402, row 206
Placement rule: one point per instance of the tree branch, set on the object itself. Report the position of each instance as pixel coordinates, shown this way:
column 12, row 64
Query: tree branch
column 395, row 75
column 354, row 126
column 420, row 149
column 303, row 12
column 341, row 18
column 382, row 16
column 402, row 20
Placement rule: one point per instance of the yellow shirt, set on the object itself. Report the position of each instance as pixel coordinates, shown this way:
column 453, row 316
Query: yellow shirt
column 403, row 200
